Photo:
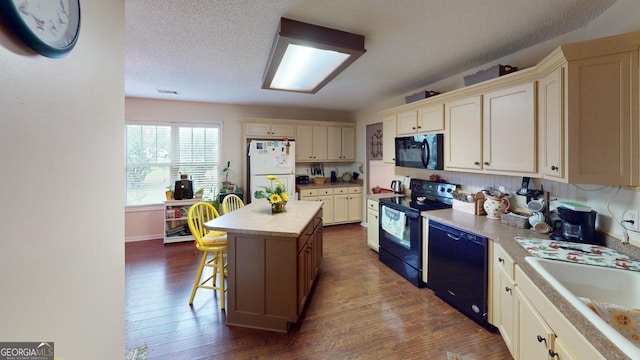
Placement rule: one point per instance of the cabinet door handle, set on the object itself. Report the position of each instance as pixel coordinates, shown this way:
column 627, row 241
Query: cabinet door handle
column 456, row 238
column 501, row 260
column 476, row 163
column 553, row 353
column 486, row 163
column 508, row 289
column 541, row 339
column 554, row 168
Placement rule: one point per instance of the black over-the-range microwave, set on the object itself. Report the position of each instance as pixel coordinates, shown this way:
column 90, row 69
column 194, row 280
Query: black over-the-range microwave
column 420, row 151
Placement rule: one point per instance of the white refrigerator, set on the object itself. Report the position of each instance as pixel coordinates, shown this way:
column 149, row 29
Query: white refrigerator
column 272, row 157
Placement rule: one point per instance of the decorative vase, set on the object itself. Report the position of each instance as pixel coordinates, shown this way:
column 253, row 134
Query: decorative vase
column 278, row 207
column 495, row 206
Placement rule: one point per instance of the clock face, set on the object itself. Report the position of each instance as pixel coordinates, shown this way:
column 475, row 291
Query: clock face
column 50, row 27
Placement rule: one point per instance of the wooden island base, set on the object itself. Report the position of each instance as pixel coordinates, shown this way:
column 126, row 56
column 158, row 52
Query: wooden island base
column 272, row 262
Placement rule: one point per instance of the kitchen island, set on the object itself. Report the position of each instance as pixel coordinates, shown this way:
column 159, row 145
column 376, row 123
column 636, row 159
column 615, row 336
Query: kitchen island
column 272, row 262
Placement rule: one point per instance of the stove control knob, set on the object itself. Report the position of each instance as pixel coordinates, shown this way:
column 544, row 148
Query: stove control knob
column 449, row 190
column 441, row 189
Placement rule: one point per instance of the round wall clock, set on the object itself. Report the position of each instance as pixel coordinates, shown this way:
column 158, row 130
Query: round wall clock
column 49, row 27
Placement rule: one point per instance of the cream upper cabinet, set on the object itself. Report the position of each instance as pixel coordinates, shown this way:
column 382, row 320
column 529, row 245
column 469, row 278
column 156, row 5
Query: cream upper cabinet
column 407, row 122
column 602, row 111
column 311, row 143
column 551, row 125
column 463, row 124
column 431, row 117
column 269, row 130
column 426, row 118
column 389, row 139
column 509, row 130
column 588, row 112
column 341, row 143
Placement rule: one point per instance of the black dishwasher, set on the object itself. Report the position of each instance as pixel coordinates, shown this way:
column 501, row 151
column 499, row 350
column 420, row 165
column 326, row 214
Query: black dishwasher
column 457, row 269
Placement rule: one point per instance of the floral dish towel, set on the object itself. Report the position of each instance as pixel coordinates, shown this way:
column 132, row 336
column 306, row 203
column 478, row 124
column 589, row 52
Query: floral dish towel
column 578, row 253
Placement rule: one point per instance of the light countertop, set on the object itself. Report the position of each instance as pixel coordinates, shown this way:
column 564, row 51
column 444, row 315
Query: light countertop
column 505, row 236
column 329, row 184
column 256, row 218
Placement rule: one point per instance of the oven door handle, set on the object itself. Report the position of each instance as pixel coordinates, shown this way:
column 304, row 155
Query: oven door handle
column 409, row 214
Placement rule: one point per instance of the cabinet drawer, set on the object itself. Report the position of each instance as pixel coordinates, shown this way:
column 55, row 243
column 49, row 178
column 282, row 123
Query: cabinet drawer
column 308, row 192
column 344, row 190
column 355, row 190
column 327, row 191
column 304, row 237
column 372, row 204
column 504, row 262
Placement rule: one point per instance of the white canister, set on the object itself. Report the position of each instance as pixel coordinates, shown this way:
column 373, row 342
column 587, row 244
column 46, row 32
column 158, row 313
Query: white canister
column 536, row 218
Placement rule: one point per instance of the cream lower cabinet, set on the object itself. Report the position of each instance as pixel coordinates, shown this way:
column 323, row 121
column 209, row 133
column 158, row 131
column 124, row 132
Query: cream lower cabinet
column 340, row 205
column 326, row 196
column 542, row 331
column 535, row 337
column 389, row 139
column 502, row 316
column 347, row 205
column 373, row 231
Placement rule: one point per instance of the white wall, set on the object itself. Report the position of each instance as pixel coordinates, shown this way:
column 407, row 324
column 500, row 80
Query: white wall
column 609, row 202
column 62, row 228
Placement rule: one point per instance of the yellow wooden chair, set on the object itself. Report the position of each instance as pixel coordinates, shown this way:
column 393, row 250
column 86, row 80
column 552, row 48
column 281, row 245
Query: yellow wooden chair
column 208, row 242
column 230, row 203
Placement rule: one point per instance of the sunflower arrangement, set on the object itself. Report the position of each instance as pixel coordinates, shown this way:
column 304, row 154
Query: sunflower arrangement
column 277, row 195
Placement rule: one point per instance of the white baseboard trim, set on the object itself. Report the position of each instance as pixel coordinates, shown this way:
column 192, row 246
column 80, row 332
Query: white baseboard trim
column 144, row 237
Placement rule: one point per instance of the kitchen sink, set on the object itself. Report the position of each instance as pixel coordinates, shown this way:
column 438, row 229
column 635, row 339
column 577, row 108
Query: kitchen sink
column 603, row 284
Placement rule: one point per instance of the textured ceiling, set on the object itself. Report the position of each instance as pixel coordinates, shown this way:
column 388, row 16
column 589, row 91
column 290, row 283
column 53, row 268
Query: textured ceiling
column 216, row 50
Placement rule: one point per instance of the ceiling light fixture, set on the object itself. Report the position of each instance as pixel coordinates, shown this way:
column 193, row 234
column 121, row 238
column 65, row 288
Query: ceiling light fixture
column 305, row 57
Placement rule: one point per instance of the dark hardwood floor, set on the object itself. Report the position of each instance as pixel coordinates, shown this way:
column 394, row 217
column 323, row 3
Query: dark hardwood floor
column 360, row 309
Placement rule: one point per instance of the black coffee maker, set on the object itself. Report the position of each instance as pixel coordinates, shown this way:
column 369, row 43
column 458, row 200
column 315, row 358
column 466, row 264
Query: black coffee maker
column 576, row 226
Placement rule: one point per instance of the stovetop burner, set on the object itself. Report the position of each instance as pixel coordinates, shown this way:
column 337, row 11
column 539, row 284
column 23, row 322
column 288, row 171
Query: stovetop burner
column 437, row 195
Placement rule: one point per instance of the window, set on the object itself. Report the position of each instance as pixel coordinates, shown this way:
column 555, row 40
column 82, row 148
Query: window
column 158, row 153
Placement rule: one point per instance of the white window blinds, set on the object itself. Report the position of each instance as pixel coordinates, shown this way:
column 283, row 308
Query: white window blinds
column 158, row 153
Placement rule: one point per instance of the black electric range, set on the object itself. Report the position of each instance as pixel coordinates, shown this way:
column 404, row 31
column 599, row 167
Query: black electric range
column 401, row 230
column 425, row 195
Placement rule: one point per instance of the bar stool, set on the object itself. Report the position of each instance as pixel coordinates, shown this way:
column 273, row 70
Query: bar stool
column 212, row 243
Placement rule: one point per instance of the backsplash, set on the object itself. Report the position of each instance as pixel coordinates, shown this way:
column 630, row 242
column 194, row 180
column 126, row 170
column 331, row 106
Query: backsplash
column 603, row 199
